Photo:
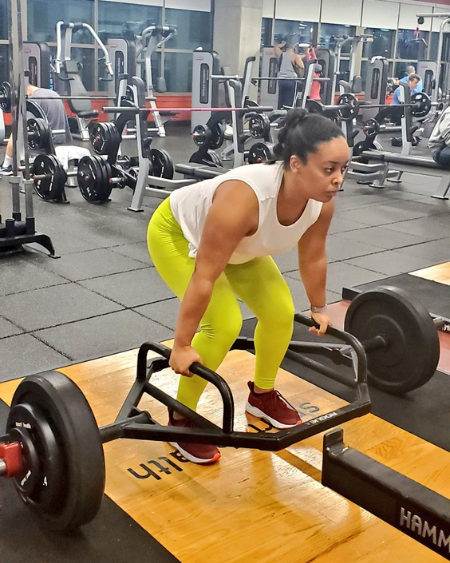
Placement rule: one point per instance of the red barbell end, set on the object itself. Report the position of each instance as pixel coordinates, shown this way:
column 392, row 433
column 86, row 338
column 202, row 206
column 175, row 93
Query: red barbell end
column 11, row 455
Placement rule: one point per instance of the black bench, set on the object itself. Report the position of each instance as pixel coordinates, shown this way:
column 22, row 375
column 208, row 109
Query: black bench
column 411, row 164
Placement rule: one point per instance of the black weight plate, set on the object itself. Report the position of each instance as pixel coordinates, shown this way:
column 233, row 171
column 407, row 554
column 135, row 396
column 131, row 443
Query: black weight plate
column 348, row 107
column 209, row 158
column 100, row 137
column 53, row 186
column 412, row 354
column 73, row 425
column 162, row 164
column 217, row 135
column 421, row 104
column 258, row 125
column 371, row 128
column 38, row 133
column 116, row 138
column 5, row 97
column 260, row 152
column 202, row 135
column 41, row 481
column 90, row 178
column 106, row 186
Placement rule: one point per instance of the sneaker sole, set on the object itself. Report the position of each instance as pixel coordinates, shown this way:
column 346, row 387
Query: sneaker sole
column 194, row 459
column 260, row 414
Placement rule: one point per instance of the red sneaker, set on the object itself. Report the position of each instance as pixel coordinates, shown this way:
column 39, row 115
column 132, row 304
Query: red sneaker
column 197, row 453
column 273, row 407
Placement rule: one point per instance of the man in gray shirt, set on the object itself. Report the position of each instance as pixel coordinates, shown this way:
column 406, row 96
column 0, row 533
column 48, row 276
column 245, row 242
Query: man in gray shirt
column 439, row 141
column 53, row 107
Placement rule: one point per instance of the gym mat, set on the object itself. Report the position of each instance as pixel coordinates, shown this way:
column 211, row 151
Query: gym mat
column 424, row 412
column 112, row 536
column 435, row 296
column 252, row 505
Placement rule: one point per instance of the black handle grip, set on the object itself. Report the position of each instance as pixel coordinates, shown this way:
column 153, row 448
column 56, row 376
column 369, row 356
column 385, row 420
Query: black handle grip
column 197, row 369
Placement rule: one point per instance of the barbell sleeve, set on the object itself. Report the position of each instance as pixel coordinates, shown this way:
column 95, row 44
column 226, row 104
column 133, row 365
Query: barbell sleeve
column 3, row 468
column 439, row 322
column 376, row 343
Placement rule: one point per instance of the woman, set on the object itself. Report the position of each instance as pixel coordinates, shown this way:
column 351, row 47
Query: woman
column 290, row 67
column 315, row 87
column 212, row 242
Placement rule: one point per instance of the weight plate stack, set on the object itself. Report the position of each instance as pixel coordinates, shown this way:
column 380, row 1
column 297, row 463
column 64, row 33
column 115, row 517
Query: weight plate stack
column 371, row 128
column 421, row 104
column 5, row 97
column 217, row 135
column 38, row 133
column 260, row 152
column 161, row 164
column 209, row 158
column 51, row 187
column 93, row 181
column 258, row 125
column 104, row 137
column 202, row 135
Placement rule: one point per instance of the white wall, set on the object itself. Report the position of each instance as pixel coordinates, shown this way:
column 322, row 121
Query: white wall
column 268, row 7
column 143, row 2
column 298, row 11
column 198, row 5
column 346, row 12
column 379, row 14
column 408, row 16
column 438, row 21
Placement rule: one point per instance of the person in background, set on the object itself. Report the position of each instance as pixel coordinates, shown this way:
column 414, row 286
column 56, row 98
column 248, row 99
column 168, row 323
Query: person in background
column 315, row 87
column 53, row 107
column 411, row 70
column 439, row 141
column 395, row 110
column 290, row 68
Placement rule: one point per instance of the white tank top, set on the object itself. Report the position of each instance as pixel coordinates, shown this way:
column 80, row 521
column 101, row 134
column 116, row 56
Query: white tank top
column 190, row 206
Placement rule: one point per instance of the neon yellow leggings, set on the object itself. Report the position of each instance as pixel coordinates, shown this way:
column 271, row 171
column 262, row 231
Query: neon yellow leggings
column 257, row 283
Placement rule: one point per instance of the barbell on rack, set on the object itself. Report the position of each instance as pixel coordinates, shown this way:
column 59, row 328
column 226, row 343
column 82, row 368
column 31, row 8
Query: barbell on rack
column 53, row 448
column 348, row 106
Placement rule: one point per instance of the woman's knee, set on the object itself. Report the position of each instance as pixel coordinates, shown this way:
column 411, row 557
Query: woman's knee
column 223, row 331
column 280, row 315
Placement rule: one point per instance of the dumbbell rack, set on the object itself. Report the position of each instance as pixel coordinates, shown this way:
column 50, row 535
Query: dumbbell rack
column 15, row 232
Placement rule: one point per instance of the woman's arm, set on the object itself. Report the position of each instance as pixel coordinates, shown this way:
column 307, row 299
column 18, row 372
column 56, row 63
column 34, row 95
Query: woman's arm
column 278, row 49
column 233, row 215
column 312, row 259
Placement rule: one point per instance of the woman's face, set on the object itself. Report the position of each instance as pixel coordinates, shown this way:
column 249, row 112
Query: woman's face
column 322, row 174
